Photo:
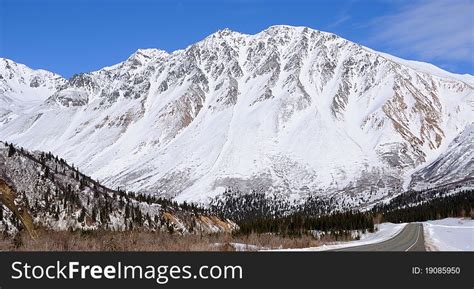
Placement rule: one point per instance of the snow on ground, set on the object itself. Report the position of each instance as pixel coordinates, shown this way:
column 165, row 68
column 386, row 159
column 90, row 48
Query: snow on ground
column 451, row 234
column 245, row 247
column 241, row 246
column 384, row 232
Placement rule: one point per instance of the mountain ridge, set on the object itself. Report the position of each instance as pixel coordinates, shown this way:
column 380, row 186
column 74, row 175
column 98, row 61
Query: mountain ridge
column 393, row 58
column 41, row 191
column 372, row 118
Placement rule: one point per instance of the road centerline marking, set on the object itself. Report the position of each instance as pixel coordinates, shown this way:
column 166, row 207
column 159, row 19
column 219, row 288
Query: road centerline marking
column 417, row 237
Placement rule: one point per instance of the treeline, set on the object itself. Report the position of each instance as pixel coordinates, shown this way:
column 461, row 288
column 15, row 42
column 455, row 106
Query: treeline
column 458, row 205
column 242, row 207
column 260, row 213
column 413, row 197
column 400, row 210
column 299, row 224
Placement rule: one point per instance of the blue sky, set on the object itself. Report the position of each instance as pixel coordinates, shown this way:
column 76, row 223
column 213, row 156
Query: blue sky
column 73, row 36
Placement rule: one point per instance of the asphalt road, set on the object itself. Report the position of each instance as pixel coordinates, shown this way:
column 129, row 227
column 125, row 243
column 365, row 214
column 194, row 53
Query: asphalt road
column 410, row 238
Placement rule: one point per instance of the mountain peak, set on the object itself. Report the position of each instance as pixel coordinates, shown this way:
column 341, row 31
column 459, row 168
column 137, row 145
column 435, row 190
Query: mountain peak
column 289, row 110
column 150, row 52
column 289, row 29
column 284, row 28
column 223, row 33
column 145, row 54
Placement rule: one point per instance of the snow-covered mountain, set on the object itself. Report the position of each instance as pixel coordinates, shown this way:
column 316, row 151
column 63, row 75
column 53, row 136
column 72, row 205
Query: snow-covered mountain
column 22, row 88
column 290, row 111
column 455, row 165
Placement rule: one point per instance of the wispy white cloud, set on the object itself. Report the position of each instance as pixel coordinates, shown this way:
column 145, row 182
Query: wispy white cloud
column 340, row 20
column 441, row 30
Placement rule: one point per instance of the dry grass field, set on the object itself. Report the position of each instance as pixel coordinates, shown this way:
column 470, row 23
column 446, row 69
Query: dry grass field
column 148, row 241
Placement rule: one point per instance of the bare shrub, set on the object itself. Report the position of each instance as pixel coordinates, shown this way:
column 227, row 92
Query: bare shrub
column 150, row 241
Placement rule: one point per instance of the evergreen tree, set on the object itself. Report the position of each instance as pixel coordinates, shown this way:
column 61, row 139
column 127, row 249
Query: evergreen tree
column 11, row 150
column 127, row 211
column 82, row 215
column 56, row 213
column 94, row 214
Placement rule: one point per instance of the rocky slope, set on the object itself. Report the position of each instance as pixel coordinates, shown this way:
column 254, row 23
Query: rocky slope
column 39, row 190
column 289, row 111
column 454, row 167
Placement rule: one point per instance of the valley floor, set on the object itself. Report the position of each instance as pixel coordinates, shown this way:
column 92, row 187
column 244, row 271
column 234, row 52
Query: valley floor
column 450, row 234
column 383, row 232
column 149, row 241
